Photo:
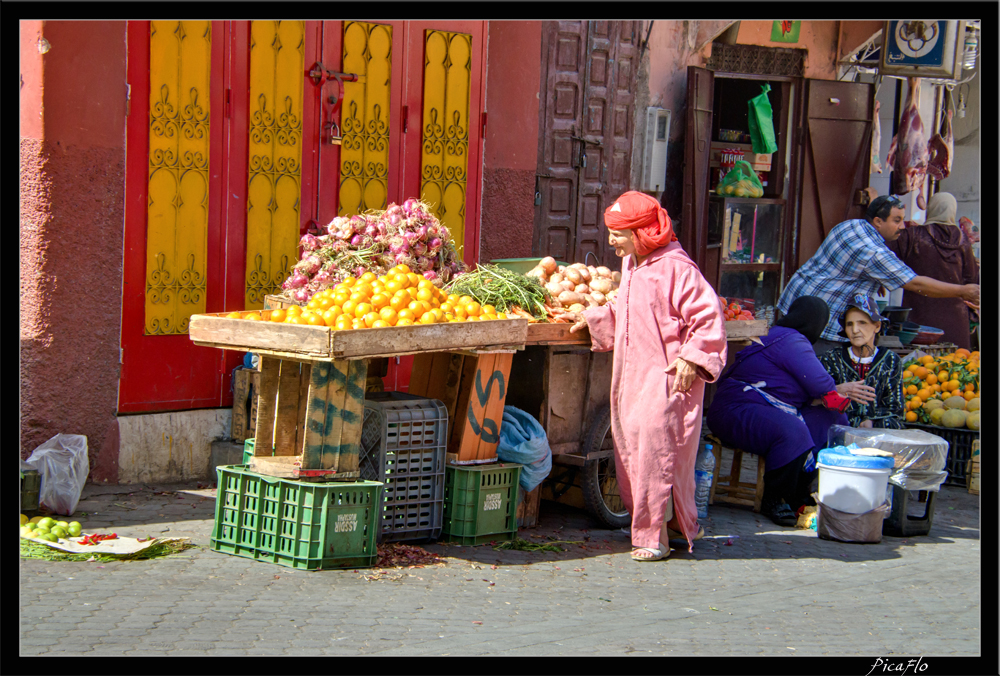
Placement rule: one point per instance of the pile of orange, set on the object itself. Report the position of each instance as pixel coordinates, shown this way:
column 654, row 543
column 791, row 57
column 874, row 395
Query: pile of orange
column 928, row 378
column 398, row 298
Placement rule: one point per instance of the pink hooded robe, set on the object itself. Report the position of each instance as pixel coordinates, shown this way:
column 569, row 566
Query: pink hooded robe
column 664, row 310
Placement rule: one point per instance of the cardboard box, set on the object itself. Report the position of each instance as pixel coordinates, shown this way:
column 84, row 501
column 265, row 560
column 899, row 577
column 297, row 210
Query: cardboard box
column 758, row 161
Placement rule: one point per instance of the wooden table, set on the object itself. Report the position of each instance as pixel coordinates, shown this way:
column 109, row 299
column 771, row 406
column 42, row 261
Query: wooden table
column 311, row 403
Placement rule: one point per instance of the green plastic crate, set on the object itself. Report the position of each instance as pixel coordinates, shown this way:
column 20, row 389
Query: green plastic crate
column 520, row 265
column 480, row 503
column 248, row 451
column 31, row 484
column 298, row 524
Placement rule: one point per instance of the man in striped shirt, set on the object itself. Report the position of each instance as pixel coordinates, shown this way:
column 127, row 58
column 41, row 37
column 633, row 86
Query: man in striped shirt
column 854, row 259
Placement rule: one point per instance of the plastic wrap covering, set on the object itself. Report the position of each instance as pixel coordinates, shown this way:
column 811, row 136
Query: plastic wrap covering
column 920, row 456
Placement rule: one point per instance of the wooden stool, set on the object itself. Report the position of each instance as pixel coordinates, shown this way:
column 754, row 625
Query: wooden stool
column 729, row 488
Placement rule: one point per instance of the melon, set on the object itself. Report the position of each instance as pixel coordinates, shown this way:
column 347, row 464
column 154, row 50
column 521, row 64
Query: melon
column 954, row 417
column 955, row 402
column 973, row 404
column 972, row 421
column 937, row 414
column 932, row 404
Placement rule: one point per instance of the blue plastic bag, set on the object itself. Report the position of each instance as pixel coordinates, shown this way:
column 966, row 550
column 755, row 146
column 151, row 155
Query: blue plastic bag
column 523, row 440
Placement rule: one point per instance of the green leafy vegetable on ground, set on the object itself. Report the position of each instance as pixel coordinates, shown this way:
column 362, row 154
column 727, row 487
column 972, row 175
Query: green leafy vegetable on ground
column 528, row 546
column 35, row 550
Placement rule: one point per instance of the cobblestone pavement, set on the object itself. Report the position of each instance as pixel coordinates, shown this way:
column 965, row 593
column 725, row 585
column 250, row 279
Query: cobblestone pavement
column 749, row 588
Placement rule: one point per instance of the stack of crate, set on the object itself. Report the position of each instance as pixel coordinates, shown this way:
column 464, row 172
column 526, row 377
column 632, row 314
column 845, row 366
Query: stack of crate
column 973, row 472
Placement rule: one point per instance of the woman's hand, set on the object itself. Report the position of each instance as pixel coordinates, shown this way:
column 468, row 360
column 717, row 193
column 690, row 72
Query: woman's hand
column 684, row 376
column 857, row 391
column 581, row 322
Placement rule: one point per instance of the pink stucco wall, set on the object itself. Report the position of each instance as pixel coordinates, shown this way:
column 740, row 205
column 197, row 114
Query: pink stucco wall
column 511, row 145
column 72, row 161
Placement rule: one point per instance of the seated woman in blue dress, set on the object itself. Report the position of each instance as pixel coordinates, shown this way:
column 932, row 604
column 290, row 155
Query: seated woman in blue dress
column 778, row 402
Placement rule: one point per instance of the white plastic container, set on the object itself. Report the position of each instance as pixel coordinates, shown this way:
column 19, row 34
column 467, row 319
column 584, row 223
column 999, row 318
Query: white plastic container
column 851, row 483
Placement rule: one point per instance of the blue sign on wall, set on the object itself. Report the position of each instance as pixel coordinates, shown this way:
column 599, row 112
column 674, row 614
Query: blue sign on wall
column 920, row 48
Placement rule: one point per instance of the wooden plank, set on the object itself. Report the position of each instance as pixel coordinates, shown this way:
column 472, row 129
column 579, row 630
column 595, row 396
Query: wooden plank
column 598, row 388
column 493, row 412
column 746, row 329
column 215, row 328
column 556, row 333
column 267, row 399
column 427, row 338
column 305, row 376
column 527, row 510
column 286, row 416
column 420, row 374
column 566, row 391
column 241, row 393
column 334, row 416
column 565, row 447
column 465, row 393
column 254, row 401
column 472, row 423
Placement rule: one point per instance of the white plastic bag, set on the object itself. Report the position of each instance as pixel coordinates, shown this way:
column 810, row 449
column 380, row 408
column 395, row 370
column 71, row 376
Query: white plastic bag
column 63, row 464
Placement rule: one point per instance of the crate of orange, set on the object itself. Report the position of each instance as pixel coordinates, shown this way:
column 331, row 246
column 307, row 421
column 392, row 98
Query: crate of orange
column 396, row 314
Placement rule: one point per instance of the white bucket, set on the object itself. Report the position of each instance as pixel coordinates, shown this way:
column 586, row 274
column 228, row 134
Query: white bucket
column 854, row 490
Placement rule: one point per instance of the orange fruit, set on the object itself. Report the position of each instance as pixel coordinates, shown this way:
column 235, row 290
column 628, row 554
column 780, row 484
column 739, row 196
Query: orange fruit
column 907, row 374
column 368, row 277
column 404, row 321
column 325, row 303
column 293, row 310
column 403, row 268
column 969, row 395
column 437, row 314
column 427, row 318
column 460, row 312
column 297, row 319
column 448, row 316
column 488, row 316
column 926, row 359
column 399, row 302
column 388, row 314
column 343, row 322
column 424, row 294
column 401, row 279
column 954, row 385
column 924, row 394
column 453, row 299
column 392, row 287
column 363, row 287
column 970, row 387
column 341, row 298
column 489, row 310
column 911, row 416
column 911, row 389
column 254, row 317
column 425, row 284
column 411, row 292
column 426, row 305
column 350, row 281
column 348, row 307
column 330, row 316
column 473, row 309
column 931, row 379
column 407, row 314
column 416, row 308
column 233, row 315
column 278, row 315
column 920, row 372
column 380, row 324
column 942, row 376
column 472, row 318
column 380, row 300
column 361, row 309
column 414, row 278
column 315, row 320
column 446, row 307
column 370, row 319
column 501, row 315
column 465, row 300
column 915, row 403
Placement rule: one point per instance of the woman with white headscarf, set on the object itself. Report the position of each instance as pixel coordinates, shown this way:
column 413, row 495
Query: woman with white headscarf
column 940, row 250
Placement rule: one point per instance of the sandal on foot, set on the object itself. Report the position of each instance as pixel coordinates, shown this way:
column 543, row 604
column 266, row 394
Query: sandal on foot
column 783, row 515
column 674, row 535
column 657, row 554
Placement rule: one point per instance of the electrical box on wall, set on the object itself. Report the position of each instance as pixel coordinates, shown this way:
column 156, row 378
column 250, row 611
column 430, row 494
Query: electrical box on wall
column 654, row 157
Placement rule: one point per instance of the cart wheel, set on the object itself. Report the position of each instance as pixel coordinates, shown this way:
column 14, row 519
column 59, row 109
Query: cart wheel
column 600, row 486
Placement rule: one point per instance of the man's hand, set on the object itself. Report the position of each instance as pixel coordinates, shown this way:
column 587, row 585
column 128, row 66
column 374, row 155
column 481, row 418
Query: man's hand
column 684, row 376
column 866, row 424
column 857, row 391
column 970, row 294
column 580, row 324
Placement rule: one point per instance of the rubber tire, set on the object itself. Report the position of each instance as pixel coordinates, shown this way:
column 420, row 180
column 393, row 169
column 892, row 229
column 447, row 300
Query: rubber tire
column 593, row 497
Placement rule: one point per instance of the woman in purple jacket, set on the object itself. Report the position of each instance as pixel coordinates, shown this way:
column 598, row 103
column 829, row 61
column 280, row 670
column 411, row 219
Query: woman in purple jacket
column 777, row 401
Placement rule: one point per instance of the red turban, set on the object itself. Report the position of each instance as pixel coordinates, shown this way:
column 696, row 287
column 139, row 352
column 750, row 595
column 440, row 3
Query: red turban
column 639, row 212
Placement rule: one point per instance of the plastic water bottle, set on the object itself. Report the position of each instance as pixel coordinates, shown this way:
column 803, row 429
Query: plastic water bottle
column 703, row 469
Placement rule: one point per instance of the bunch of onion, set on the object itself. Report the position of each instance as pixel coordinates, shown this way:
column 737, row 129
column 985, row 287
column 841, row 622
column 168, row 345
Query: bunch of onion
column 374, row 241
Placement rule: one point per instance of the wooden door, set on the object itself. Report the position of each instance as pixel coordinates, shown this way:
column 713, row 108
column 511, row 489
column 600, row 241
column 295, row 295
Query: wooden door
column 585, row 142
column 220, row 138
column 693, row 228
column 835, row 159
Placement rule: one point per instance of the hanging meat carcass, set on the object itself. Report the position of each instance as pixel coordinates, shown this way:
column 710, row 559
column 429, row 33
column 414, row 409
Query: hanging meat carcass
column 876, row 141
column 942, row 150
column 908, row 153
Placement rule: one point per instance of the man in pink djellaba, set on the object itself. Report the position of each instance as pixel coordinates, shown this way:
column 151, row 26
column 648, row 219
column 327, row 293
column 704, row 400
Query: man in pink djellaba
column 667, row 329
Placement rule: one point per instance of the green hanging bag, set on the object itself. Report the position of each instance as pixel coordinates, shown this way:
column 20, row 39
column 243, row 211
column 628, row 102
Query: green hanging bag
column 761, row 123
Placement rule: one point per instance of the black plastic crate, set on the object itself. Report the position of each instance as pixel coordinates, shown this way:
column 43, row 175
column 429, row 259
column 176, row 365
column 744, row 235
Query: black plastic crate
column 959, row 450
column 403, row 445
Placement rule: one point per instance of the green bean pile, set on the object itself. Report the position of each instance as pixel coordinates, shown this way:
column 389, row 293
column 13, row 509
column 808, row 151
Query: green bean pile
column 501, row 288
